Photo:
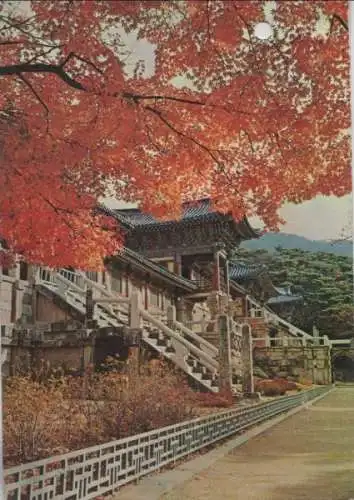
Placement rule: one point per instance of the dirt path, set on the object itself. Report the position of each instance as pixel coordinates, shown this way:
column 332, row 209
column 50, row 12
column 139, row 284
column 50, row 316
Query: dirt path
column 309, row 456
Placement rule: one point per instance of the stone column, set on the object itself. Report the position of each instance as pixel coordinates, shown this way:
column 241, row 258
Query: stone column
column 134, row 341
column 89, row 306
column 33, row 300
column 225, row 371
column 171, row 315
column 247, row 360
column 14, row 293
column 134, row 310
column 181, row 310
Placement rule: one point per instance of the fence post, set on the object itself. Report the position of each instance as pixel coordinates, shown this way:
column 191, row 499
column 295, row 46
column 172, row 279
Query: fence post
column 225, row 373
column 247, row 360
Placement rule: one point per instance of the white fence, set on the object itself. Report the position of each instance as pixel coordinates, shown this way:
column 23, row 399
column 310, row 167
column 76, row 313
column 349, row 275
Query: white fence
column 95, row 471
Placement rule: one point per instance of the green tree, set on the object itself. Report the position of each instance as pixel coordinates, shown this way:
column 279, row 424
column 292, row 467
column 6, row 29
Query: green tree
column 324, row 280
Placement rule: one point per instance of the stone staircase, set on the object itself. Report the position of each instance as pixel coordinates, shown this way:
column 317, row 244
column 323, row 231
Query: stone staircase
column 169, row 338
column 267, row 316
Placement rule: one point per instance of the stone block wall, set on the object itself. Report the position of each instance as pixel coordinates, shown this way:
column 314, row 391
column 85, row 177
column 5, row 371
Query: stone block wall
column 311, row 363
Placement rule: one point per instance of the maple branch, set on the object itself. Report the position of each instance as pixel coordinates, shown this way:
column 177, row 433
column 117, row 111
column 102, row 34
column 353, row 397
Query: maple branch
column 341, row 21
column 11, row 42
column 17, row 69
column 182, row 134
column 72, row 55
column 139, row 97
column 33, row 90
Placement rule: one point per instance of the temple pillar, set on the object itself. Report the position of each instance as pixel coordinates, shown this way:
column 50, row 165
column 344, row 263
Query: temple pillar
column 178, row 265
column 216, row 272
column 227, row 277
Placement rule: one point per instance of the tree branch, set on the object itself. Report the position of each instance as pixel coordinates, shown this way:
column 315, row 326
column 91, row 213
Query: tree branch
column 17, row 69
column 336, row 17
column 33, row 90
column 182, row 134
column 139, row 97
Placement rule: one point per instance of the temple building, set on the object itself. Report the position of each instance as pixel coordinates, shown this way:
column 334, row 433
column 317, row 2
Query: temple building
column 168, row 285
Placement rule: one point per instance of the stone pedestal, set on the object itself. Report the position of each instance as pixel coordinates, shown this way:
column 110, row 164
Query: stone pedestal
column 225, row 372
column 247, row 360
column 181, row 310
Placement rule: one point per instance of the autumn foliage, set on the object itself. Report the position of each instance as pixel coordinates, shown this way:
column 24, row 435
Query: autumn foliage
column 46, row 414
column 44, row 418
column 201, row 108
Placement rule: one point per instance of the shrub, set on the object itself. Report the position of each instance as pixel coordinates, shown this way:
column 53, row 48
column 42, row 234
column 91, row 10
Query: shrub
column 270, row 387
column 67, row 413
column 210, row 400
column 305, row 382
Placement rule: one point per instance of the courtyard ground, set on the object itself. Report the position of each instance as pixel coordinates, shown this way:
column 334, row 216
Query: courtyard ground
column 308, row 456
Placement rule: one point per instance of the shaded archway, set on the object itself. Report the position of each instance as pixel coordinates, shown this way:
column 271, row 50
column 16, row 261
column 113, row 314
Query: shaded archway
column 343, row 367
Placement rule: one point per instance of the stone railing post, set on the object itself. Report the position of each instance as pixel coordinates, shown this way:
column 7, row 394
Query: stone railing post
column 225, row 372
column 171, row 315
column 181, row 310
column 247, row 360
column 134, row 310
column 285, row 342
column 203, row 324
column 267, row 341
column 90, row 305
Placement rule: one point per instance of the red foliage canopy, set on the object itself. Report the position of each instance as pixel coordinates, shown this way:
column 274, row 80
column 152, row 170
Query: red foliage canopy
column 165, row 102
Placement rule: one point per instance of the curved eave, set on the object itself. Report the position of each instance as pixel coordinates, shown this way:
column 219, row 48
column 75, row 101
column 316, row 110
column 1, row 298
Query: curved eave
column 118, row 217
column 284, row 299
column 146, row 265
column 250, row 231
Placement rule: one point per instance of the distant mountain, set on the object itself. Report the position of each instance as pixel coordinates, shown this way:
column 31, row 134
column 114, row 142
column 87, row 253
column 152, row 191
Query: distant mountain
column 288, row 241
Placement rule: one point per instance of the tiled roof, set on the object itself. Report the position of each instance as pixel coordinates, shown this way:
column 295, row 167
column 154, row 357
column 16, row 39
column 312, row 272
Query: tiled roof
column 190, row 211
column 283, row 291
column 200, row 210
column 241, row 272
column 282, row 299
column 115, row 214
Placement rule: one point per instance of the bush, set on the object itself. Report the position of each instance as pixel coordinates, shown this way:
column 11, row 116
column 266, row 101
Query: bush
column 305, row 382
column 62, row 414
column 275, row 387
column 270, row 388
column 210, row 400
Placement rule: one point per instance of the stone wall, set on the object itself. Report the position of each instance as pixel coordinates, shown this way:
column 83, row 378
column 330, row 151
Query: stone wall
column 311, row 363
column 67, row 345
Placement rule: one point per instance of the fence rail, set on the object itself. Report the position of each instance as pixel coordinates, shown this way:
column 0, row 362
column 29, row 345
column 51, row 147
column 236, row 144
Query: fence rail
column 94, row 471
